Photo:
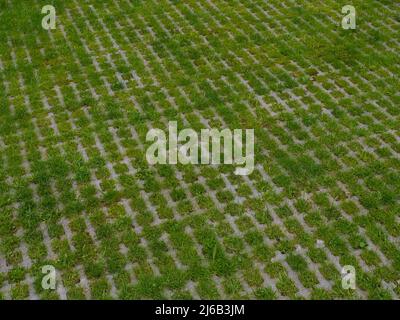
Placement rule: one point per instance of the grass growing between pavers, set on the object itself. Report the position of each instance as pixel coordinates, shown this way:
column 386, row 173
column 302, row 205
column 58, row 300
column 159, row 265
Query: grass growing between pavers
column 77, row 193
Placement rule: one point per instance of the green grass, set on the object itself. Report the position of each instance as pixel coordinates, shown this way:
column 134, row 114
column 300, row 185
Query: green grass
column 76, row 191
